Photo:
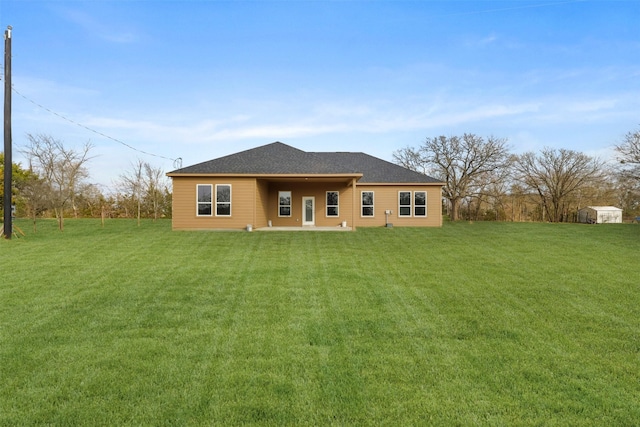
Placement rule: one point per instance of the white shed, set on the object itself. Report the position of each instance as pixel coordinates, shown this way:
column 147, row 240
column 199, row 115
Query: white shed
column 600, row 215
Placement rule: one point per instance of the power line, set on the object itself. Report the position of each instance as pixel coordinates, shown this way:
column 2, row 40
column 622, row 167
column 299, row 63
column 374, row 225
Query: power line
column 177, row 161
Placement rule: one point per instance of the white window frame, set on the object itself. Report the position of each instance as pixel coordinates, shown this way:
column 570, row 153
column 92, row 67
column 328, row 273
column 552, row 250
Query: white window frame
column 199, row 203
column 415, row 206
column 223, row 202
column 372, row 205
column 280, row 205
column 337, row 205
column 405, row 206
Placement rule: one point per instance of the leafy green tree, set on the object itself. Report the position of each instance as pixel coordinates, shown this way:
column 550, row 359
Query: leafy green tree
column 19, row 177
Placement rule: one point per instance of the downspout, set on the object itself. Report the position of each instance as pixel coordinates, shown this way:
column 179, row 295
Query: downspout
column 354, row 206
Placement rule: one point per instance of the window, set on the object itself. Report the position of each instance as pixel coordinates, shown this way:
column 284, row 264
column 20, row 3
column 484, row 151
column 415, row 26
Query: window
column 284, row 203
column 367, row 203
column 204, row 199
column 332, row 203
column 420, row 203
column 223, row 200
column 404, row 203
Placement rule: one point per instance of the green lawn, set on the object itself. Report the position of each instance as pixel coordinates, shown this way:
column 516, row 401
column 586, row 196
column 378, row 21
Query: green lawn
column 469, row 324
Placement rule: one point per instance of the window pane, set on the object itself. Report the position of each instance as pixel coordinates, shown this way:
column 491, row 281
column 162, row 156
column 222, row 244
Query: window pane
column 367, row 198
column 332, row 198
column 420, row 203
column 405, row 210
column 367, row 211
column 223, row 193
column 285, row 211
column 204, row 193
column 204, row 209
column 223, row 209
column 285, row 198
column 332, row 211
column 405, row 198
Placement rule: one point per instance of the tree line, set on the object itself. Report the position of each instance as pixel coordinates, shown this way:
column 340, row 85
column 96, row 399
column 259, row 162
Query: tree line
column 484, row 180
column 55, row 184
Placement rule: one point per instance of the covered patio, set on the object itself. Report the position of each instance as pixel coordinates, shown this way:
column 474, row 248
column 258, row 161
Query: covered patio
column 304, row 228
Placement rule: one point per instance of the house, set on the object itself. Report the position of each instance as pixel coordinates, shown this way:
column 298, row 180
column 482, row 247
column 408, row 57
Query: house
column 600, row 215
column 281, row 186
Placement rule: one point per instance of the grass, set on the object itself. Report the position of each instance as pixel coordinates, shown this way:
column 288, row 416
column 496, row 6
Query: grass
column 470, row 324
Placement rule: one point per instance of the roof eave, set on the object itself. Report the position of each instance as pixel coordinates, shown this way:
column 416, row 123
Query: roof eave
column 267, row 175
column 396, row 183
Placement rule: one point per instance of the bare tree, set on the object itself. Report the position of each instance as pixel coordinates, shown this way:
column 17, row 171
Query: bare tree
column 154, row 188
column 464, row 164
column 493, row 194
column 628, row 194
column 34, row 192
column 558, row 177
column 146, row 186
column 412, row 159
column 61, row 169
column 132, row 182
column 629, row 154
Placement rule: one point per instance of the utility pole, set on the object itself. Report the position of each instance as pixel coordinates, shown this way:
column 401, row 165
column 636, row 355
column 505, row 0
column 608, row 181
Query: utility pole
column 8, row 163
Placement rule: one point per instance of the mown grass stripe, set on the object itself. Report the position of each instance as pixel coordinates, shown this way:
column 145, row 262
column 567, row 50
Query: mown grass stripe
column 484, row 323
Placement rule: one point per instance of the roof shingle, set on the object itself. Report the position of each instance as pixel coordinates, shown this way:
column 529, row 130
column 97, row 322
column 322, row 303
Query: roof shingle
column 278, row 158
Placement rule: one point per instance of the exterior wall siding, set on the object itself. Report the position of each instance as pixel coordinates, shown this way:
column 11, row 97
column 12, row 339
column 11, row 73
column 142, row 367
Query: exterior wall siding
column 262, row 203
column 316, row 190
column 255, row 201
column 243, row 204
column 386, row 198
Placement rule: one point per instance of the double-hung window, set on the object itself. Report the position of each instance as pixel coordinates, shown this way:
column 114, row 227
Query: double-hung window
column 284, row 203
column 416, row 206
column 367, row 203
column 420, row 203
column 404, row 203
column 223, row 200
column 205, row 201
column 332, row 203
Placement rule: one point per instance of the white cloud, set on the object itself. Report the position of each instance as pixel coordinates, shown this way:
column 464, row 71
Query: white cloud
column 327, row 119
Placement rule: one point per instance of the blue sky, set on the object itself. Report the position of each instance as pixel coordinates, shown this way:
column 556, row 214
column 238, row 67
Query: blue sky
column 198, row 80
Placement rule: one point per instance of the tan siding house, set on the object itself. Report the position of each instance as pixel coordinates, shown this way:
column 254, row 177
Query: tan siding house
column 280, row 186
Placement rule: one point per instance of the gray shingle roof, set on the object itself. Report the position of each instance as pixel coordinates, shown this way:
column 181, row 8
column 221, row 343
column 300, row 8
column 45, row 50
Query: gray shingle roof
column 278, row 158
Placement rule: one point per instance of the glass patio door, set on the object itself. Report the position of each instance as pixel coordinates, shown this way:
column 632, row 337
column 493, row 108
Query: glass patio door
column 308, row 211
